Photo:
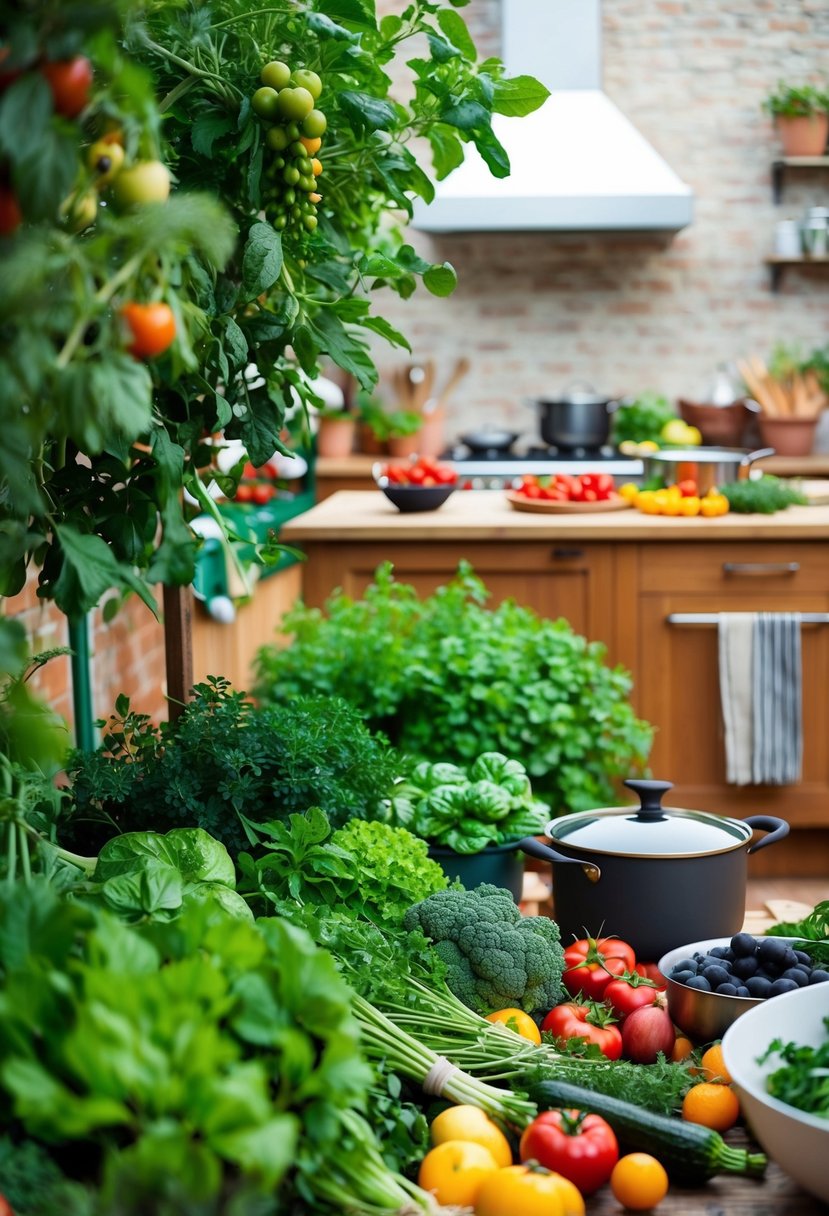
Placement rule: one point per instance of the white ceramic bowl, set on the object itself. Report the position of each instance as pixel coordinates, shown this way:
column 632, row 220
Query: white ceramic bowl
column 797, row 1141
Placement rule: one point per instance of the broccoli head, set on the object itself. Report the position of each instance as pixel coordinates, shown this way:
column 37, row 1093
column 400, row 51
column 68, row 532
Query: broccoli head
column 495, row 957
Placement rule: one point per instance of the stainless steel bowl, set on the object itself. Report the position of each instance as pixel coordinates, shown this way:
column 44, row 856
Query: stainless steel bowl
column 708, row 467
column 703, row 1016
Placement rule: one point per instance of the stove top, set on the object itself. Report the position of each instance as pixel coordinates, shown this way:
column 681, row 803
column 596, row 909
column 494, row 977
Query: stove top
column 540, row 460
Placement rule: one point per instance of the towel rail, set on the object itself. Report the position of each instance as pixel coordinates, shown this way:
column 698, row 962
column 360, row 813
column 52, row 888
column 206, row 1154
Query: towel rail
column 712, row 618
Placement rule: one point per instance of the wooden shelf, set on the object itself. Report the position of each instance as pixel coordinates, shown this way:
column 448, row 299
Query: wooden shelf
column 779, row 167
column 777, row 264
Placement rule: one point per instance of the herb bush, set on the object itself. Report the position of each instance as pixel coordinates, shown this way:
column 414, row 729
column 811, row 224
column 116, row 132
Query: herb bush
column 224, row 761
column 448, row 678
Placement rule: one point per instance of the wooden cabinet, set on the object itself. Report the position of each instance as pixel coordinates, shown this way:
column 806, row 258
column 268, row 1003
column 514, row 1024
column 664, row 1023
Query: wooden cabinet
column 677, row 681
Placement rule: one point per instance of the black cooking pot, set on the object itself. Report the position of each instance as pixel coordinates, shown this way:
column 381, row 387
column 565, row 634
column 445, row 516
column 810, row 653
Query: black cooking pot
column 655, row 876
column 580, row 418
column 494, row 440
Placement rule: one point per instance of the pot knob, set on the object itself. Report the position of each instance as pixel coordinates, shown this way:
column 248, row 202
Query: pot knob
column 650, row 795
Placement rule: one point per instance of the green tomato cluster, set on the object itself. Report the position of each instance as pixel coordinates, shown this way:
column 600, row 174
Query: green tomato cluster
column 287, row 100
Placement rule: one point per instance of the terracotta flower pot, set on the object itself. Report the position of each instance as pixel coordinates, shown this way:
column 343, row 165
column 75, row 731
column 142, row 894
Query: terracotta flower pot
column 404, row 445
column 803, row 136
column 335, row 436
column 368, row 442
column 788, row 436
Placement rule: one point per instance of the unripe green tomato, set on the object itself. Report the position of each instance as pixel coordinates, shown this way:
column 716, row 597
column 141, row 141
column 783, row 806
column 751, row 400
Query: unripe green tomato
column 295, row 104
column 277, row 139
column 314, row 124
column 290, row 176
column 289, row 197
column 296, row 211
column 304, row 165
column 279, row 162
column 306, row 206
column 79, row 211
column 310, row 222
column 148, row 181
column 265, row 102
column 280, row 222
column 297, row 148
column 307, row 184
column 276, row 74
column 105, row 160
column 304, row 79
column 292, row 131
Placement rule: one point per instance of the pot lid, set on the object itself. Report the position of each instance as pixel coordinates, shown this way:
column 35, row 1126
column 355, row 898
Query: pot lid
column 649, row 830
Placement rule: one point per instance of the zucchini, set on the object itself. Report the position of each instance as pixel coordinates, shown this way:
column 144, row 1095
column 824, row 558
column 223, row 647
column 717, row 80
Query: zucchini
column 690, row 1153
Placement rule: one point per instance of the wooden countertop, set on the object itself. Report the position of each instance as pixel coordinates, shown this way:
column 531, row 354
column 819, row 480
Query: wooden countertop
column 367, row 515
column 359, row 465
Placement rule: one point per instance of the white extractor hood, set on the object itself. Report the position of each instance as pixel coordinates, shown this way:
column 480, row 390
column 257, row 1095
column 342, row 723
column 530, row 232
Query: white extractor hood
column 577, row 163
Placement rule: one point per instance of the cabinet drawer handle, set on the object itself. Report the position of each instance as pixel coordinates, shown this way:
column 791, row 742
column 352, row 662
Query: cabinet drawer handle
column 760, row 569
column 567, row 553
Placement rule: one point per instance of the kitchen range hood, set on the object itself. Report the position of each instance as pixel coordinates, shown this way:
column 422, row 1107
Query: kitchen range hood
column 577, row 163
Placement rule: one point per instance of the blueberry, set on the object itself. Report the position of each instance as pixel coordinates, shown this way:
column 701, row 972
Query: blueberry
column 789, row 959
column 726, row 990
column 819, row 976
column 718, row 952
column 745, row 966
column 700, row 982
column 782, row 985
column 743, row 945
column 772, row 951
column 682, row 977
column 758, row 985
column 686, row 964
column 716, row 975
column 803, row 957
column 794, row 973
column 743, row 991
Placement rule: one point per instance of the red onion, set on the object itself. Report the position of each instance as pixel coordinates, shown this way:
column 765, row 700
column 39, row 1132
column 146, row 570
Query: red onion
column 647, row 1031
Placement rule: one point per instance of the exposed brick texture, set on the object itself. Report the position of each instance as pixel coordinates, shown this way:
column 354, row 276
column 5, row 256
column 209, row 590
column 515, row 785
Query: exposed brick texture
column 536, row 310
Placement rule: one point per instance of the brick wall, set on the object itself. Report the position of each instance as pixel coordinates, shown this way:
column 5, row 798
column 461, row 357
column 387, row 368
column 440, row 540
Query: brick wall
column 536, row 310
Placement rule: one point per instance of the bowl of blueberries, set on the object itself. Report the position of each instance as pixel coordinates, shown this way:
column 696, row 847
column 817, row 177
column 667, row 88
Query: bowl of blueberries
column 710, row 983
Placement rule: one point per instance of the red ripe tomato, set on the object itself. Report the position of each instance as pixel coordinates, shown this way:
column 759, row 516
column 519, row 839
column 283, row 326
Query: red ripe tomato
column 628, row 993
column 153, row 328
column 416, row 475
column 244, row 494
column 592, row 1022
column 445, row 475
column 570, row 486
column 5, row 1207
column 250, row 472
column 604, row 485
column 11, row 216
column 592, row 963
column 70, row 81
column 577, row 1145
column 688, row 488
column 652, row 972
column 263, row 494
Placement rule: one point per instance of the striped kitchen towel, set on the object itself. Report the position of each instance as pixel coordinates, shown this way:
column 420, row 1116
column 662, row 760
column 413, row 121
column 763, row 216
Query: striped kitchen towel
column 761, row 696
column 777, row 751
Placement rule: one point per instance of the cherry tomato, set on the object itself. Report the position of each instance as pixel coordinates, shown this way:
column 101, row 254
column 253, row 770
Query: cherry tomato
column 639, row 1182
column 592, row 963
column 263, row 494
column 105, row 158
column 265, row 102
column 11, row 216
column 153, row 328
column 304, row 79
column 314, row 124
column 592, row 1022
column 311, row 145
column 580, row 1146
column 276, row 75
column 70, row 81
column 295, row 105
column 243, row 493
column 652, row 972
column 630, row 992
column 145, row 182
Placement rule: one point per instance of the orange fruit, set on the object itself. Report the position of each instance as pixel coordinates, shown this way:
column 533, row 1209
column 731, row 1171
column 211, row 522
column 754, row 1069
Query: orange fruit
column 713, row 1065
column 454, row 1171
column 711, row 1104
column 682, row 1048
column 639, row 1182
column 523, row 1190
column 472, row 1125
column 517, row 1020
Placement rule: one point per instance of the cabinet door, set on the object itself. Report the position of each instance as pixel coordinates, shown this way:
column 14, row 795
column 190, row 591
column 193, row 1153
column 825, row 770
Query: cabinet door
column 555, row 579
column 678, row 686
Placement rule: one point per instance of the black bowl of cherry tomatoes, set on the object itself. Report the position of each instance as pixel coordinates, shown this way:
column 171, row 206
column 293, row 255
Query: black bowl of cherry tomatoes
column 420, row 484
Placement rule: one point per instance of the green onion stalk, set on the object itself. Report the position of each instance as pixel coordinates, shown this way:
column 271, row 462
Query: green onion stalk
column 353, row 1177
column 383, row 1039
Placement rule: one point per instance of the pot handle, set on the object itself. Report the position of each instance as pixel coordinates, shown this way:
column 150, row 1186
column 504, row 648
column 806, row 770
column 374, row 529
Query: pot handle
column 534, row 848
column 750, row 457
column 776, row 828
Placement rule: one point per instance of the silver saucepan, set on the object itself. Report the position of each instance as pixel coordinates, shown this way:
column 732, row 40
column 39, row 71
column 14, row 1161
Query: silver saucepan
column 708, row 467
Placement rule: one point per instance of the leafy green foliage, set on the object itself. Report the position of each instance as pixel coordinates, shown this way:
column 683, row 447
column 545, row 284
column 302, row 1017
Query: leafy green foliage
column 33, row 1185
column 448, row 679
column 98, row 447
column 814, row 927
column 225, row 762
column 495, row 957
column 491, row 804
column 642, row 419
column 796, row 101
column 763, row 495
column 801, row 1079
column 185, row 1064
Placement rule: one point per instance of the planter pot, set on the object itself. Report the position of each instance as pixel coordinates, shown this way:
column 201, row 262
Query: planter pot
column 404, row 445
column 335, row 436
column 502, row 865
column 431, row 434
column 788, row 436
column 368, row 441
column 805, row 136
column 655, row 876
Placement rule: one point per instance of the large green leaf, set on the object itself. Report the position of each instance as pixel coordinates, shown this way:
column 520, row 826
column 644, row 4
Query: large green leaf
column 261, row 260
column 440, row 280
column 519, row 95
column 454, row 27
column 345, row 349
column 368, row 112
column 89, row 570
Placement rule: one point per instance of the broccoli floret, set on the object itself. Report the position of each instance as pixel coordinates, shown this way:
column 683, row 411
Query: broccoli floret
column 495, row 957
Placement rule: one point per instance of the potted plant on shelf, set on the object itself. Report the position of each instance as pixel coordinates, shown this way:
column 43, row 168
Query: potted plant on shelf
column 472, row 819
column 791, row 395
column 336, row 431
column 801, row 116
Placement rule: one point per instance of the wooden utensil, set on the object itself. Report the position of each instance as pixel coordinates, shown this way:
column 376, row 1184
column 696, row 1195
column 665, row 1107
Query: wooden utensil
column 461, row 369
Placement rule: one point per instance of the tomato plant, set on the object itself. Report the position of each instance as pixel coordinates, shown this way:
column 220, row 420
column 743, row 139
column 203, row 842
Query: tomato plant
column 591, row 963
column 590, row 1021
column 581, row 1146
